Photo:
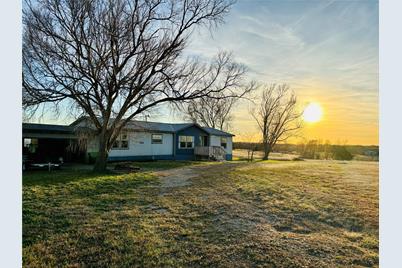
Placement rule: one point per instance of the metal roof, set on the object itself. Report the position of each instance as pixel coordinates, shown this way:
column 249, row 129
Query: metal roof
column 132, row 125
column 171, row 127
column 216, row 132
column 33, row 127
column 155, row 126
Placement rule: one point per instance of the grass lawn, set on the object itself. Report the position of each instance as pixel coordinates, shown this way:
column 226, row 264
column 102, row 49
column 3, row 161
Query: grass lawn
column 231, row 214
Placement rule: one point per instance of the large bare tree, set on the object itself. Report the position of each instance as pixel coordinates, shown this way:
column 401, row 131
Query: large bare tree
column 212, row 112
column 277, row 116
column 116, row 59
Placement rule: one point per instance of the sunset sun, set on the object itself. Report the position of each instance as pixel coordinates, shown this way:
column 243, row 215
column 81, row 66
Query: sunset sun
column 312, row 113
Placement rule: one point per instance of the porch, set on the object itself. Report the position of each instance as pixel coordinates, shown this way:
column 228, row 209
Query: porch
column 210, row 152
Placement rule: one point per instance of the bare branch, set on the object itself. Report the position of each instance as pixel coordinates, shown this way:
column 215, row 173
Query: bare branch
column 114, row 60
column 277, row 116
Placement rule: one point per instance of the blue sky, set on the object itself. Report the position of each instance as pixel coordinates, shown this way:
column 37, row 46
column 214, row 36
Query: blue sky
column 326, row 50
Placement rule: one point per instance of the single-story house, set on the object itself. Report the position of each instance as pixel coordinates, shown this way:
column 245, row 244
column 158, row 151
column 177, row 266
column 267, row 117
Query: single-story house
column 139, row 140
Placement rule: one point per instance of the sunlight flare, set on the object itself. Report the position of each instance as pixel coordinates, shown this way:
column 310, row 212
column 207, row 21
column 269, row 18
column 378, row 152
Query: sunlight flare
column 312, row 113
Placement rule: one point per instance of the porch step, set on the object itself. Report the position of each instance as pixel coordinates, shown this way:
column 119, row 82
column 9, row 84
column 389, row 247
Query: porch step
column 216, row 153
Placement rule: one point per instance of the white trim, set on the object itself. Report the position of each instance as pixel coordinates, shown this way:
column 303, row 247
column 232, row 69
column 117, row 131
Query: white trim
column 192, row 142
column 152, row 139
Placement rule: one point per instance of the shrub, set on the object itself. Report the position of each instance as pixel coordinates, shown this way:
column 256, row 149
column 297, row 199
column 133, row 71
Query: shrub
column 341, row 153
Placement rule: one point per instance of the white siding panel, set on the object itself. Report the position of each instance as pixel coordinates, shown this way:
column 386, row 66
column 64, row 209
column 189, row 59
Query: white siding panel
column 216, row 141
column 229, row 145
column 140, row 144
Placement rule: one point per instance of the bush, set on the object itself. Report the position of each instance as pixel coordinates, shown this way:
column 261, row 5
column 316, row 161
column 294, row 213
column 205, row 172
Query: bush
column 341, row 153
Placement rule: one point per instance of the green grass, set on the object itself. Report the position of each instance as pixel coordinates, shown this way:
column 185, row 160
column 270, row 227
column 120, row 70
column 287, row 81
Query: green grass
column 234, row 214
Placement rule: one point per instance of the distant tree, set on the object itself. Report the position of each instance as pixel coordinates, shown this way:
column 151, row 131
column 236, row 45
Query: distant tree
column 250, row 145
column 310, row 150
column 339, row 152
column 115, row 60
column 212, row 111
column 327, row 150
column 276, row 116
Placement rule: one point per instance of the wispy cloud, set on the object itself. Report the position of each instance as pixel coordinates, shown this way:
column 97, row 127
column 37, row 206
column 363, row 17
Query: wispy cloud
column 326, row 50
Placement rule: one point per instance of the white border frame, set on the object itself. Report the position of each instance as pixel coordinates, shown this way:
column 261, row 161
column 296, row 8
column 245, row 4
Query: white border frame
column 390, row 132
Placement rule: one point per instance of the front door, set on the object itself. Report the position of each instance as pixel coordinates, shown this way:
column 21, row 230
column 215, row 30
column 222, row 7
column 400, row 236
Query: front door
column 203, row 140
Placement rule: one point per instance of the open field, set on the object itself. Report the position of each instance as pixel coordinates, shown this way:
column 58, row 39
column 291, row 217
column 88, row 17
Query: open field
column 241, row 154
column 182, row 214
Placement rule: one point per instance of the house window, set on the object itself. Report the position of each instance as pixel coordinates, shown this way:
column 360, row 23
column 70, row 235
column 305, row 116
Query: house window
column 121, row 142
column 186, row 141
column 157, row 138
column 31, row 144
column 224, row 142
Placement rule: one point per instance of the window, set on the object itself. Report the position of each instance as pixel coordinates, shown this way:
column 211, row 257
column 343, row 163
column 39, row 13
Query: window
column 31, row 144
column 224, row 142
column 186, row 141
column 157, row 138
column 121, row 142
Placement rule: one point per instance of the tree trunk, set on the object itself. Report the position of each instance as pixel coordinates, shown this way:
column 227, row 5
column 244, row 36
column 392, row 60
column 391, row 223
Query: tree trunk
column 101, row 159
column 266, row 155
column 267, row 150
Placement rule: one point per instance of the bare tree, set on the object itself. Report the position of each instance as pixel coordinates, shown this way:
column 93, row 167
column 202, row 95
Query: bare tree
column 115, row 59
column 214, row 112
column 311, row 149
column 249, row 144
column 276, row 116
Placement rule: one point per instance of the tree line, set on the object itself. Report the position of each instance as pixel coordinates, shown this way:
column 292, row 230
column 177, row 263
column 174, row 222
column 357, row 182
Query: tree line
column 317, row 149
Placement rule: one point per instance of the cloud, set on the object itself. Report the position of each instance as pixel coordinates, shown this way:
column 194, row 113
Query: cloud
column 326, row 51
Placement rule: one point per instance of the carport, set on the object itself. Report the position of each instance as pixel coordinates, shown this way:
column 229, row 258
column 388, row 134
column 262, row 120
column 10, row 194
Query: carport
column 44, row 143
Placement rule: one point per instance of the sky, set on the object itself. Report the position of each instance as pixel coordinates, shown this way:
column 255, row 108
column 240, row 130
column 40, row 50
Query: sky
column 327, row 51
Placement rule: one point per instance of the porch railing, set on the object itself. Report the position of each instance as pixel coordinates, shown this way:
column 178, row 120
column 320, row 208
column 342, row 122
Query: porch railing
column 212, row 152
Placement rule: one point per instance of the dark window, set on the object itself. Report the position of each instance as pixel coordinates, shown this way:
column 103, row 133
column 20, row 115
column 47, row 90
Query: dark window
column 224, row 142
column 157, row 139
column 186, row 142
column 124, row 144
column 121, row 142
column 116, row 144
column 31, row 144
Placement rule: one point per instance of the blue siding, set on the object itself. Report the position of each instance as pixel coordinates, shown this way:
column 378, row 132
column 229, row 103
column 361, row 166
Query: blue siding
column 157, row 157
column 188, row 154
column 140, row 158
column 184, row 157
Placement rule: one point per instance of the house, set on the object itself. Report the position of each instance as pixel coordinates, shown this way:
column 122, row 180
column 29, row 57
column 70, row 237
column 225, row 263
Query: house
column 44, row 143
column 139, row 140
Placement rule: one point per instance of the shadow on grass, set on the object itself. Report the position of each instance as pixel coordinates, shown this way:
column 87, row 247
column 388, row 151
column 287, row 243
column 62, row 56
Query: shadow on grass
column 83, row 172
column 230, row 215
column 56, row 203
column 43, row 178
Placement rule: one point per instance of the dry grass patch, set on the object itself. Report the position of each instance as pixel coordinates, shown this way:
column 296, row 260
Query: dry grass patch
column 287, row 214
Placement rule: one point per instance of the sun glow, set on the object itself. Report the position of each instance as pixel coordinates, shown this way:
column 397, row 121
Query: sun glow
column 312, row 113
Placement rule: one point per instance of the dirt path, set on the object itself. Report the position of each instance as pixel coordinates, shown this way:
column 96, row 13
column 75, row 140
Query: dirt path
column 177, row 177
